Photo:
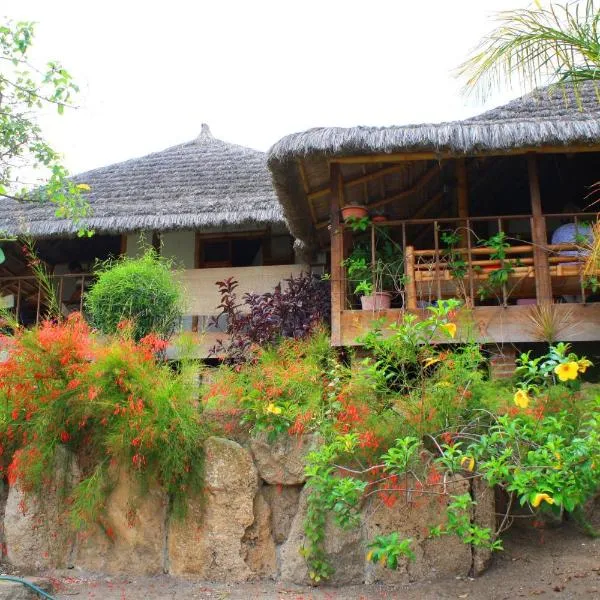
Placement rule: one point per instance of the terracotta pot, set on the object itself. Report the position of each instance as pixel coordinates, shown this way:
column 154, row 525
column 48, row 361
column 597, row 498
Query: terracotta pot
column 379, row 219
column 354, row 211
column 377, row 301
column 491, row 268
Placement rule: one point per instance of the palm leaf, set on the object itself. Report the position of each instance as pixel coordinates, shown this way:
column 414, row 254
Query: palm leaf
column 536, row 46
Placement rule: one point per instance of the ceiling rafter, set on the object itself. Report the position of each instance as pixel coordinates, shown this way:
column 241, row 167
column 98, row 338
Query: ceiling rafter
column 365, row 178
column 418, row 186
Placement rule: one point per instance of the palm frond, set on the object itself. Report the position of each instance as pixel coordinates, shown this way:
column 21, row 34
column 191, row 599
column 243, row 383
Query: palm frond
column 536, row 46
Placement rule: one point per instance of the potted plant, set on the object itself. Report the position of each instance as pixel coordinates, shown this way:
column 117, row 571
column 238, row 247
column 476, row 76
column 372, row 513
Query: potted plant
column 354, row 211
column 379, row 217
column 375, row 283
column 371, row 299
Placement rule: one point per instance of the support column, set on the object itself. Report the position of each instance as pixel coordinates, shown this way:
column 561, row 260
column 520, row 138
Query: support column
column 462, row 193
column 411, row 284
column 338, row 274
column 539, row 237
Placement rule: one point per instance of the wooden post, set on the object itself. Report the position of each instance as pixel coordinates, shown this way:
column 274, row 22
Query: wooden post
column 543, row 282
column 411, row 284
column 462, row 194
column 338, row 283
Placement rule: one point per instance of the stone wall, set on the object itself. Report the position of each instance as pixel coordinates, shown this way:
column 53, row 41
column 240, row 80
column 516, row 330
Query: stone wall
column 248, row 524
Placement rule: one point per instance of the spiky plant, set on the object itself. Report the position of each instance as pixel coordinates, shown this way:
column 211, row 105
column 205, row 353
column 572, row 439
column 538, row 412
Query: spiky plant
column 591, row 250
column 543, row 44
column 547, row 323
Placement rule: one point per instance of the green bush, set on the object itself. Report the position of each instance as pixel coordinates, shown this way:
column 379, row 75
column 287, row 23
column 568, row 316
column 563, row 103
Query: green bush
column 141, row 290
column 111, row 403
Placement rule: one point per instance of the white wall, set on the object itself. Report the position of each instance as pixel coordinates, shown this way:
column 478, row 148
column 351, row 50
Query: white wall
column 179, row 246
column 137, row 242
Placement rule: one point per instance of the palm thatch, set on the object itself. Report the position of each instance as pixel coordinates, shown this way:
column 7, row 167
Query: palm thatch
column 553, row 116
column 202, row 184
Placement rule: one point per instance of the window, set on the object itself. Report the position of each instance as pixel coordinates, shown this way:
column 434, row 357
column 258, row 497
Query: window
column 243, row 250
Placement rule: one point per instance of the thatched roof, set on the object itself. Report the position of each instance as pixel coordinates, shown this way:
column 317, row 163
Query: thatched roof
column 203, row 184
column 547, row 117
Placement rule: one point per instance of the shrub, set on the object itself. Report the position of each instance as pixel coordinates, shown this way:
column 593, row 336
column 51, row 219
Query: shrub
column 142, row 290
column 263, row 319
column 282, row 390
column 110, row 402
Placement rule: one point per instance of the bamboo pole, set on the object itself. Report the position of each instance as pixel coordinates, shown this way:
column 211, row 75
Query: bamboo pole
column 411, row 284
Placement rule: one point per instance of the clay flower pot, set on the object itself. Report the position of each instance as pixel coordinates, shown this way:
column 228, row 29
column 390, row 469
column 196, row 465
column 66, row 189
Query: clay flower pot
column 354, row 211
column 379, row 218
column 376, row 301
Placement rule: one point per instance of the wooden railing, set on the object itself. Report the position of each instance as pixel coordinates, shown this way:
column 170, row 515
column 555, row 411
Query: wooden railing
column 431, row 273
column 25, row 295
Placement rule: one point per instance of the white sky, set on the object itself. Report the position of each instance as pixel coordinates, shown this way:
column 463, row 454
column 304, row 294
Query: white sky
column 152, row 72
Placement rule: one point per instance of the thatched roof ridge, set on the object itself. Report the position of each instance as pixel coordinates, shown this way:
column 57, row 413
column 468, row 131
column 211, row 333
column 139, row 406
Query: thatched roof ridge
column 550, row 116
column 547, row 117
column 202, row 184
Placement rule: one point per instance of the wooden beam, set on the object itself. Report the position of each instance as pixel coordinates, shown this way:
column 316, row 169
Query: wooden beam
column 411, row 284
column 462, row 196
column 489, row 324
column 418, row 186
column 543, row 281
column 338, row 284
column 421, row 183
column 365, row 178
column 408, row 156
column 431, row 202
column 306, row 187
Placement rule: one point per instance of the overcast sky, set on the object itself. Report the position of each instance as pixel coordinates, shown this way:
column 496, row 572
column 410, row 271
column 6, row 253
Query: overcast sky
column 151, row 73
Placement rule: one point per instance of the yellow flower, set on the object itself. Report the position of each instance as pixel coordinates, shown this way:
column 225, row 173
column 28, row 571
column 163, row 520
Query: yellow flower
column 521, row 398
column 584, row 363
column 84, row 187
column 539, row 498
column 467, row 463
column 444, row 384
column 274, row 409
column 567, row 371
column 431, row 361
column 450, row 329
column 558, row 465
column 370, row 555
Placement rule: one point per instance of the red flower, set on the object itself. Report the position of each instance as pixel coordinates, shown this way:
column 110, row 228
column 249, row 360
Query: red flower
column 368, row 439
column 73, row 384
column 64, row 437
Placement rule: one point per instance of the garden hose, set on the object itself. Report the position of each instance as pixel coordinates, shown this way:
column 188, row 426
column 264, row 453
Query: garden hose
column 41, row 593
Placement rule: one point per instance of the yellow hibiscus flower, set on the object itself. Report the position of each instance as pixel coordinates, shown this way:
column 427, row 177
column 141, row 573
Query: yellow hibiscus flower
column 539, row 498
column 84, row 187
column 521, row 398
column 431, row 361
column 274, row 409
column 467, row 463
column 450, row 329
column 567, row 371
column 584, row 363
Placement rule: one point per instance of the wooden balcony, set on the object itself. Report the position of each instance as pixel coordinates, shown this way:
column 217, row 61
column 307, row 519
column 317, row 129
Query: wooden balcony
column 496, row 309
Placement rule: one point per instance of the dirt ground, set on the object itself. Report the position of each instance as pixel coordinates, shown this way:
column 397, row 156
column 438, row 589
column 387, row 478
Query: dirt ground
column 554, row 563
